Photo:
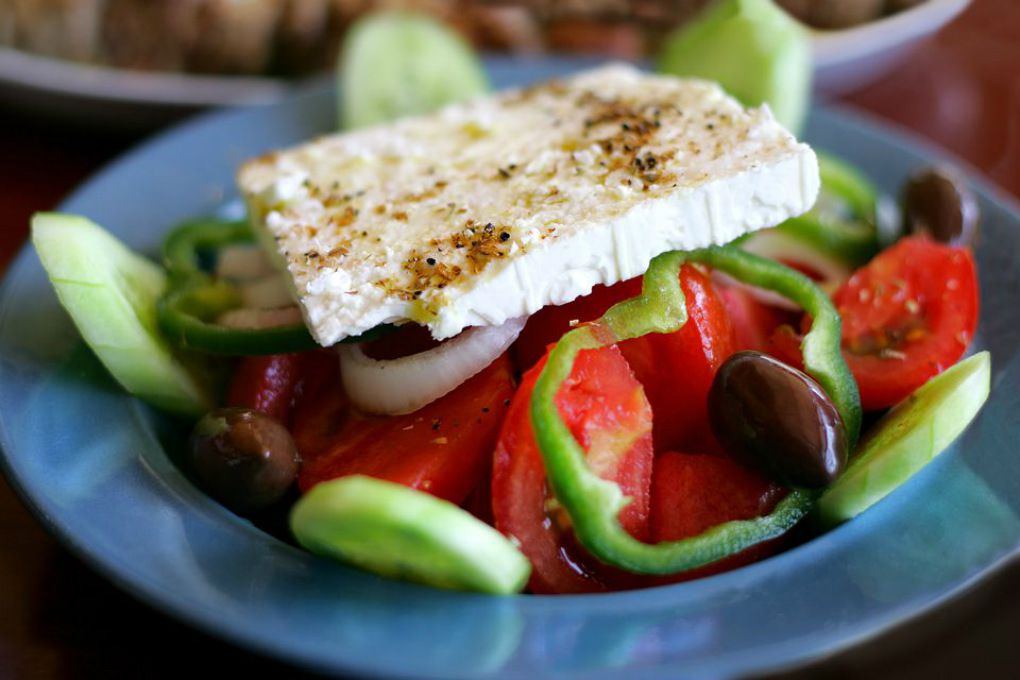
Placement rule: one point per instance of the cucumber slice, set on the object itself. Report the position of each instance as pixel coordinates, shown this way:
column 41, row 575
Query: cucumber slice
column 908, row 437
column 755, row 50
column 399, row 64
column 111, row 294
column 396, row 531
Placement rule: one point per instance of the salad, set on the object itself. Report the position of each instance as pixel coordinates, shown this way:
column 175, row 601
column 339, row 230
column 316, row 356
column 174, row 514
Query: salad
column 700, row 415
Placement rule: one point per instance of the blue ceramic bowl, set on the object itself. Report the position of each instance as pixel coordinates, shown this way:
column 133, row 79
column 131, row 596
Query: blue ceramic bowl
column 96, row 467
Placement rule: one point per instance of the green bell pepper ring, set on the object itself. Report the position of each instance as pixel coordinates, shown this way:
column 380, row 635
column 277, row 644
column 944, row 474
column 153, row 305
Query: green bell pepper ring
column 188, row 311
column 183, row 247
column 593, row 503
column 187, row 316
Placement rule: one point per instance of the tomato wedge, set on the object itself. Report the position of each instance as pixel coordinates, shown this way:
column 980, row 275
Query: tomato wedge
column 676, row 369
column 266, row 383
column 908, row 315
column 694, row 492
column 551, row 323
column 442, row 448
column 321, row 407
column 605, row 408
column 753, row 321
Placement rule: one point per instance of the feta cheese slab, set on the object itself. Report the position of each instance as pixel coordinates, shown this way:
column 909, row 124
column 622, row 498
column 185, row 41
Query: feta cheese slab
column 496, row 207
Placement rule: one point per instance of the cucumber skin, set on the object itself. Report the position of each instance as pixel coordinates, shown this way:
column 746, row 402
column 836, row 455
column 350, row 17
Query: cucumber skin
column 110, row 293
column 387, row 59
column 753, row 49
column 909, row 437
column 396, row 531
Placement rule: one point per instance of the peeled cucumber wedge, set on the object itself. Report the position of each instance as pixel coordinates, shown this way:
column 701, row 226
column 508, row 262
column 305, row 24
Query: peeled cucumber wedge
column 909, row 437
column 110, row 293
column 398, row 64
column 395, row 531
column 755, row 50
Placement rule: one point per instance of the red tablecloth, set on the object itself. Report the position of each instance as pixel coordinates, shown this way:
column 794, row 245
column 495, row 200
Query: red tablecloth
column 59, row 620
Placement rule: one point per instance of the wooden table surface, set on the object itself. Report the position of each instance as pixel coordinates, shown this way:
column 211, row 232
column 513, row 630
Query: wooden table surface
column 60, row 620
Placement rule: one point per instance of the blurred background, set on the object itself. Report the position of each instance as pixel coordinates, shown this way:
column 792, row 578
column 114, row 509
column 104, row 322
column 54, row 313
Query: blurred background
column 295, row 37
column 81, row 81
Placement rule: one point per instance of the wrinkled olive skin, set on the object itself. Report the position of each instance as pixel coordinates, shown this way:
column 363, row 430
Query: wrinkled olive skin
column 777, row 420
column 937, row 202
column 244, row 459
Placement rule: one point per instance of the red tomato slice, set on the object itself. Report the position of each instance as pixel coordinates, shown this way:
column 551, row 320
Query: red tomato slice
column 479, row 500
column 606, row 410
column 694, row 492
column 676, row 369
column 266, row 384
column 551, row 323
column 442, row 448
column 321, row 407
column 753, row 322
column 908, row 315
column 322, row 413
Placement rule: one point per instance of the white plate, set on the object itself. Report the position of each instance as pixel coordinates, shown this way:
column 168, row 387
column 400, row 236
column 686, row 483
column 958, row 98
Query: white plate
column 120, row 98
column 853, row 57
column 137, row 100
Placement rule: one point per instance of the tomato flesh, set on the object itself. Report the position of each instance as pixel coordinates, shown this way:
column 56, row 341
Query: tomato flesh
column 442, row 448
column 676, row 369
column 321, row 407
column 695, row 492
column 908, row 315
column 753, row 321
column 606, row 410
column 552, row 322
column 266, row 383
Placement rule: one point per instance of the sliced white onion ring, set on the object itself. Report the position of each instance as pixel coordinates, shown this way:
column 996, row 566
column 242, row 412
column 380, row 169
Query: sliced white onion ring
column 268, row 292
column 243, row 262
column 404, row 385
column 776, row 245
column 246, row 318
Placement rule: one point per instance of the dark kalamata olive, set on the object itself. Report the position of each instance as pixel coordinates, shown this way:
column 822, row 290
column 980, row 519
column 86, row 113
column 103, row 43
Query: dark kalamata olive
column 777, row 420
column 937, row 202
column 243, row 458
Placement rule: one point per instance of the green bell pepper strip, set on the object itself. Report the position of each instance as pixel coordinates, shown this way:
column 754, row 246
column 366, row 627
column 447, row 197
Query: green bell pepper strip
column 188, row 311
column 852, row 243
column 845, row 182
column 183, row 246
column 187, row 314
column 593, row 503
column 843, row 222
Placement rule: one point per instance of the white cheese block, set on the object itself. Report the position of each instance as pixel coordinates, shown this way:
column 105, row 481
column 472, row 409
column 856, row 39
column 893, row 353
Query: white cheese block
column 494, row 208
